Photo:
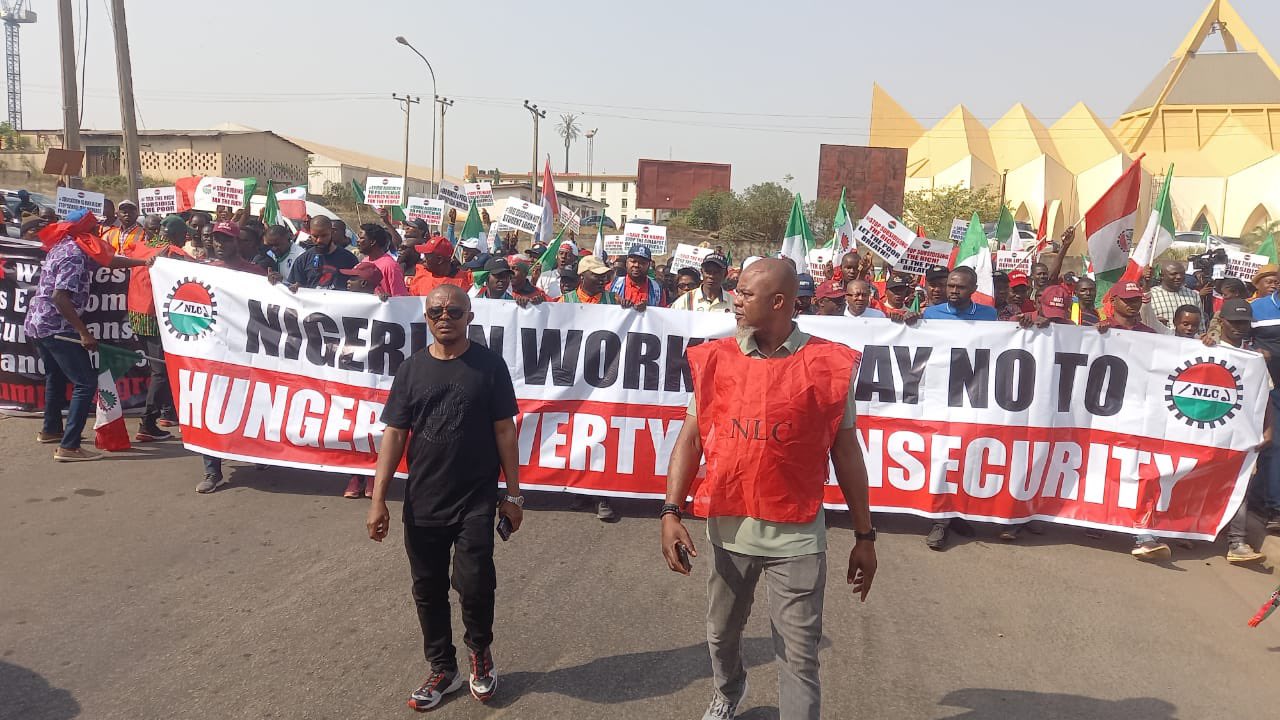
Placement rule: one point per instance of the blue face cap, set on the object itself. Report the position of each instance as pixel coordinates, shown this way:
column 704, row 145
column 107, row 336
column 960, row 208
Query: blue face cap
column 77, row 214
column 640, row 251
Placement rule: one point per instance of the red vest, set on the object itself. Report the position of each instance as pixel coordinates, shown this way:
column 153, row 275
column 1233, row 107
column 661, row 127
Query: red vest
column 767, row 427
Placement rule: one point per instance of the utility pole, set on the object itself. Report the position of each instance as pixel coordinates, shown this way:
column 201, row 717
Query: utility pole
column 408, row 103
column 70, row 105
column 445, row 104
column 128, row 115
column 533, row 175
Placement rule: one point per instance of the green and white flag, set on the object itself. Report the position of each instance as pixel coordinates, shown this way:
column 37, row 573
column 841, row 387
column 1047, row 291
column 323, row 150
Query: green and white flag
column 797, row 241
column 1007, row 231
column 109, row 431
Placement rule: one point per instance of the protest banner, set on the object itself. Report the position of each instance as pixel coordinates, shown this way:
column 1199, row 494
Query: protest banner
column 158, row 201
column 1007, row 260
column 214, row 192
column 653, row 237
column 455, row 196
column 884, row 235
column 986, row 421
column 1244, row 265
column 958, row 230
column 481, row 192
column 820, row 262
column 69, row 200
column 570, row 220
column 522, row 215
column 924, row 254
column 383, row 192
column 432, row 211
column 21, row 368
column 688, row 256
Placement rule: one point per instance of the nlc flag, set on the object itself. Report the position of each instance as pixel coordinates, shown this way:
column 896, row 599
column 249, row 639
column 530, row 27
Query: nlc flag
column 109, row 432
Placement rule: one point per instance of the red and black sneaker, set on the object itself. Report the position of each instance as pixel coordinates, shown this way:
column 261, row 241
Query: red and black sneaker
column 484, row 679
column 432, row 692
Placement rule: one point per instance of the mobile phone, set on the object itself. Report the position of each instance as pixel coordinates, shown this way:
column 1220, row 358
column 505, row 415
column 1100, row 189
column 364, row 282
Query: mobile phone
column 504, row 528
column 682, row 553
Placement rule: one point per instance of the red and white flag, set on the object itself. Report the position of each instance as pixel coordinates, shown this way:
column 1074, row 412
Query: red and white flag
column 1109, row 224
column 550, row 206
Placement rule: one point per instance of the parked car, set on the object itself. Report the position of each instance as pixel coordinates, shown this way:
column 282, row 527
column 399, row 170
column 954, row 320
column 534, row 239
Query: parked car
column 598, row 219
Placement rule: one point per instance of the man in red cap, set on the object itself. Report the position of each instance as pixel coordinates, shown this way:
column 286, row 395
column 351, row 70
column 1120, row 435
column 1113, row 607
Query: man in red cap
column 365, row 278
column 440, row 268
column 1019, row 301
column 829, row 299
column 1055, row 305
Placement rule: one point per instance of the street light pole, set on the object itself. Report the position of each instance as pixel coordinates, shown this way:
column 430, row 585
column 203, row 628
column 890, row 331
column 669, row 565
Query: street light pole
column 445, row 104
column 533, row 175
column 408, row 103
column 591, row 157
column 434, row 95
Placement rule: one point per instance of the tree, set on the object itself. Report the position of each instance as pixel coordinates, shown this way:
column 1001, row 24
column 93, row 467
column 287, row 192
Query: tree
column 763, row 212
column 711, row 210
column 568, row 130
column 821, row 214
column 1254, row 237
column 935, row 209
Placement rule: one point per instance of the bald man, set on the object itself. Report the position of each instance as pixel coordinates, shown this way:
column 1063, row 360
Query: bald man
column 1172, row 293
column 770, row 406
column 457, row 400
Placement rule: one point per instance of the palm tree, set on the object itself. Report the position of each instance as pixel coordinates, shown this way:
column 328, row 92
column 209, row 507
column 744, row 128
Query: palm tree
column 568, row 129
column 1254, row 237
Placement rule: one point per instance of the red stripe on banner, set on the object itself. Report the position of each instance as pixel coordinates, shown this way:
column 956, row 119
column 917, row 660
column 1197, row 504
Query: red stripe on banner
column 985, row 472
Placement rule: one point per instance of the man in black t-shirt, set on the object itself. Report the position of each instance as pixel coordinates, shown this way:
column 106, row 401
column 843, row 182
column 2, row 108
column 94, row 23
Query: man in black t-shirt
column 452, row 405
column 318, row 267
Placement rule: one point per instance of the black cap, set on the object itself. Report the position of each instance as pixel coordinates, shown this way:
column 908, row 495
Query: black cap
column 568, row 273
column 1236, row 309
column 497, row 265
column 716, row 259
column 478, row 262
column 1000, row 275
column 421, row 225
column 899, row 279
column 807, row 288
column 935, row 273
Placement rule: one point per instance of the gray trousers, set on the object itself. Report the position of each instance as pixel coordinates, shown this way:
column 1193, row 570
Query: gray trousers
column 794, row 590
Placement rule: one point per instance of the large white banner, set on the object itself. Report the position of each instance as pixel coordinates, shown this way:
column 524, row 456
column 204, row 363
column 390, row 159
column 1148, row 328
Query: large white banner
column 982, row 420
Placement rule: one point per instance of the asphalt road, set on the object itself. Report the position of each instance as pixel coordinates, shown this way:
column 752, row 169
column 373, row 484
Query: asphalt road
column 123, row 594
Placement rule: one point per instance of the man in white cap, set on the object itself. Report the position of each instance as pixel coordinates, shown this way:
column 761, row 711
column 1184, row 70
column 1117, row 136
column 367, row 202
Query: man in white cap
column 566, row 257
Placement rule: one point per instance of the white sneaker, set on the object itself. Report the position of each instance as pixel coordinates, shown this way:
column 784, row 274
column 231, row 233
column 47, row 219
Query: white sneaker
column 434, row 689
column 722, row 708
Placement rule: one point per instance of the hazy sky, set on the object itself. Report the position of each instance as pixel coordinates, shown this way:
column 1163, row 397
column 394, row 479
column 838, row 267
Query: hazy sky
column 756, row 84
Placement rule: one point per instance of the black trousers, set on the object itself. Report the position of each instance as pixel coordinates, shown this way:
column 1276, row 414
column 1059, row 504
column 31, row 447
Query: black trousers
column 473, row 577
column 159, row 396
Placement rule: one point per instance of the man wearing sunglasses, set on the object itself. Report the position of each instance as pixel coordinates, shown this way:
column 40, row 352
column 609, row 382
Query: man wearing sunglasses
column 452, row 405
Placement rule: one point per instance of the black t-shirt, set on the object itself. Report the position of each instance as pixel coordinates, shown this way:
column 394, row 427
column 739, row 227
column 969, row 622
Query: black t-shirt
column 449, row 408
column 314, row 269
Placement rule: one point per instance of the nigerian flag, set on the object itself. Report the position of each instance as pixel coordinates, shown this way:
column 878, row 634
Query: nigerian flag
column 1007, row 231
column 599, row 249
column 1156, row 238
column 1268, row 248
column 975, row 252
column 797, row 240
column 109, row 432
column 356, row 191
column 271, row 211
column 473, row 228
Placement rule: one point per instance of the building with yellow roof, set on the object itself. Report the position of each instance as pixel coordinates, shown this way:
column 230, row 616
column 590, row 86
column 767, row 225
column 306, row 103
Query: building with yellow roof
column 1213, row 116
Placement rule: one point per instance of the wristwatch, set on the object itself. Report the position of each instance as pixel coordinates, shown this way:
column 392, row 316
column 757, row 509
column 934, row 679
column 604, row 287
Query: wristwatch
column 670, row 509
column 869, row 536
column 517, row 500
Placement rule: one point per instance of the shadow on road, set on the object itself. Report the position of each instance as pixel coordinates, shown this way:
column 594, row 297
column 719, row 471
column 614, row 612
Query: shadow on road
column 27, row 695
column 997, row 704
column 634, row 676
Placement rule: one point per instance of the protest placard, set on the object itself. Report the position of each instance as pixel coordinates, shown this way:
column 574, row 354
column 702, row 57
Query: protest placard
column 958, row 229
column 924, row 254
column 455, row 196
column 158, row 201
column 1008, row 260
column 522, row 215
column 1244, row 265
column 653, row 237
column 383, row 191
column 214, row 192
column 884, row 235
column 69, row 199
column 820, row 261
column 686, row 256
column 570, row 220
column 481, row 192
column 430, row 210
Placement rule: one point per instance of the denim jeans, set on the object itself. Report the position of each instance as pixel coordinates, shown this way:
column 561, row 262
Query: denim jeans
column 212, row 465
column 66, row 362
column 159, row 396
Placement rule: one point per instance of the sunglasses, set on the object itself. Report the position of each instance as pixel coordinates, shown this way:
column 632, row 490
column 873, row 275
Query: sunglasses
column 455, row 312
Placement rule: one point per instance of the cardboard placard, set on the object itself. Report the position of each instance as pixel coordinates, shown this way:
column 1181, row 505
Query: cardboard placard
column 1244, row 265
column 958, row 229
column 455, row 196
column 884, row 235
column 58, row 161
column 382, row 192
column 215, row 192
column 686, row 256
column 481, row 192
column 924, row 253
column 158, row 201
column 430, row 210
column 522, row 215
column 69, row 200
column 653, row 237
column 1008, row 260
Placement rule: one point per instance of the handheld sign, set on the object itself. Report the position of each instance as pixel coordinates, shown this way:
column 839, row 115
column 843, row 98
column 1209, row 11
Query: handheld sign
column 1007, row 260
column 481, row 192
column 1244, row 265
column 432, row 211
column 688, row 256
column 570, row 220
column 958, row 230
column 382, row 192
column 455, row 196
column 653, row 237
column 214, row 192
column 69, row 200
column 158, row 201
column 884, row 235
column 924, row 254
column 522, row 215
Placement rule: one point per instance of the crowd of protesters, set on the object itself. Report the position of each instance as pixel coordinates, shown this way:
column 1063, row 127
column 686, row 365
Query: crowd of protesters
column 390, row 259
